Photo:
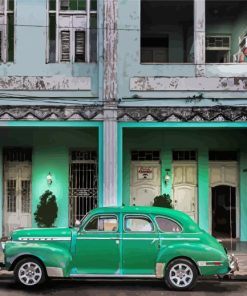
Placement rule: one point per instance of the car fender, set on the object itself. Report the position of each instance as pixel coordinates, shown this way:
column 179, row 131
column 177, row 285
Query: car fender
column 57, row 259
column 199, row 254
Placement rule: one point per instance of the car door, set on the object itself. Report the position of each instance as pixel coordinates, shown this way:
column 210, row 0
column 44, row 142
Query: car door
column 140, row 245
column 97, row 246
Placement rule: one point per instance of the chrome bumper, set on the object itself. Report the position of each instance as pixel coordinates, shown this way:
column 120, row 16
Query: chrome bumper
column 233, row 263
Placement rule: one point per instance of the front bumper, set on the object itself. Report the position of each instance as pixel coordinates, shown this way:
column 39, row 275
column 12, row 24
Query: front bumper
column 233, row 263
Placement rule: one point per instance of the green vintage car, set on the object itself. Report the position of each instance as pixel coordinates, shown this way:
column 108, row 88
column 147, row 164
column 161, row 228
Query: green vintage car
column 119, row 242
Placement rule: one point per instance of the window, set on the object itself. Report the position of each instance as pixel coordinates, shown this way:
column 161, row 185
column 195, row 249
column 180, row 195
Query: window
column 138, row 224
column 167, row 31
column 72, row 31
column 7, row 30
column 102, row 223
column 226, row 31
column 223, row 155
column 167, row 225
column 184, row 155
column 145, row 155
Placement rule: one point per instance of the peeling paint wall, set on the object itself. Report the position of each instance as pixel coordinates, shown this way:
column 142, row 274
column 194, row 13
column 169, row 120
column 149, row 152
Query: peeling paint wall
column 31, row 72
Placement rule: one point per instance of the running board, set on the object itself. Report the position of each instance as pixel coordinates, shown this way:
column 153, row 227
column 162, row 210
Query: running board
column 113, row 275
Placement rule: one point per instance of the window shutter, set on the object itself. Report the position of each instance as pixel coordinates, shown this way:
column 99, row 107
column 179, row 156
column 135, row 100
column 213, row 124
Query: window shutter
column 80, row 46
column 65, row 46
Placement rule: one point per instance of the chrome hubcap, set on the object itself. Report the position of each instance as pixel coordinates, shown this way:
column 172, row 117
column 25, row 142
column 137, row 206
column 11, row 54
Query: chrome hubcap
column 181, row 275
column 30, row 273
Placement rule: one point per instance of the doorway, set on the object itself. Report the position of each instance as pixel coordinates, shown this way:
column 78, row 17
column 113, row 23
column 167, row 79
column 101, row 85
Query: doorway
column 17, row 189
column 145, row 182
column 83, row 183
column 224, row 211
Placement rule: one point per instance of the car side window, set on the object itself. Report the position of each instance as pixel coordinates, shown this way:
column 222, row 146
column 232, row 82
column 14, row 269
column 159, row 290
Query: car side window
column 167, row 225
column 138, row 224
column 102, row 223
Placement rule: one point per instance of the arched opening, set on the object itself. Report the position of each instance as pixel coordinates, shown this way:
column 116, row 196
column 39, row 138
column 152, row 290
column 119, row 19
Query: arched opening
column 224, row 211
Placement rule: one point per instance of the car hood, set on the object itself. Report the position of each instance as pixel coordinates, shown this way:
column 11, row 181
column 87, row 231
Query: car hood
column 41, row 233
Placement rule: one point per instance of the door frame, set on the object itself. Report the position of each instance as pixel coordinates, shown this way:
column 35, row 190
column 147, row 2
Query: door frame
column 237, row 188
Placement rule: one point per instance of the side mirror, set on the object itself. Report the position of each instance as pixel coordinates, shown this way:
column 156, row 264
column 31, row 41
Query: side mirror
column 77, row 223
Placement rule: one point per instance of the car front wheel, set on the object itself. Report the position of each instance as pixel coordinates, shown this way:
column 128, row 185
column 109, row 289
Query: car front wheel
column 29, row 272
column 181, row 274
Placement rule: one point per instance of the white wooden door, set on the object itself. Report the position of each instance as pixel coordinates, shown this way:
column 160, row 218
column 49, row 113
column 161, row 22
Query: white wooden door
column 145, row 182
column 185, row 188
column 17, row 195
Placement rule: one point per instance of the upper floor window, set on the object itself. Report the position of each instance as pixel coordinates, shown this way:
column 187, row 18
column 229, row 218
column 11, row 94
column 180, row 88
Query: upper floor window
column 226, row 31
column 167, row 31
column 7, row 8
column 72, row 31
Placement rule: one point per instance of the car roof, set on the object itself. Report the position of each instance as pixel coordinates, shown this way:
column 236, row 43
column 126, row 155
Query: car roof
column 169, row 213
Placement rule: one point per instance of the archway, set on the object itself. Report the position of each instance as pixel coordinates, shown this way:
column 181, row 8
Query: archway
column 224, row 211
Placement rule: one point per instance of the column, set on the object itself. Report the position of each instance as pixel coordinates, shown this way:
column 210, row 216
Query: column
column 199, row 37
column 243, row 195
column 110, row 93
column 203, row 189
column 110, row 158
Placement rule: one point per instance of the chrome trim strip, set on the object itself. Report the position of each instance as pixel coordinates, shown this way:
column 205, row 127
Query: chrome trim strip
column 44, row 238
column 181, row 238
column 138, row 238
column 85, row 275
column 100, row 238
column 208, row 263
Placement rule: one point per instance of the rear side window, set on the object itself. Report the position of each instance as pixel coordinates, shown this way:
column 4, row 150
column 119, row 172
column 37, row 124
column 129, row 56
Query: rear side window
column 138, row 224
column 167, row 225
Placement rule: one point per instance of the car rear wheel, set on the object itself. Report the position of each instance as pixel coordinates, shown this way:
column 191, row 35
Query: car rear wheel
column 29, row 272
column 181, row 274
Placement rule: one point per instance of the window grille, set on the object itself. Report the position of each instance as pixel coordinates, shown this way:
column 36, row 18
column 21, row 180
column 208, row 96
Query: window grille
column 83, row 183
column 218, row 42
column 25, row 196
column 145, row 155
column 184, row 155
column 17, row 154
column 11, row 196
column 223, row 155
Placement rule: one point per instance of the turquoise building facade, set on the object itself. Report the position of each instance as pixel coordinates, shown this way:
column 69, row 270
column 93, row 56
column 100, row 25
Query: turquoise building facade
column 149, row 107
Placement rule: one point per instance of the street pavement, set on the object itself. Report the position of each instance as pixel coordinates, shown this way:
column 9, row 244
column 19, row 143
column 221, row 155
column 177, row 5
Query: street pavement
column 121, row 288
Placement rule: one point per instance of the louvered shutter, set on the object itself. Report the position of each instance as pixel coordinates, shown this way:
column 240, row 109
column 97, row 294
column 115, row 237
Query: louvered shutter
column 65, row 46
column 80, row 46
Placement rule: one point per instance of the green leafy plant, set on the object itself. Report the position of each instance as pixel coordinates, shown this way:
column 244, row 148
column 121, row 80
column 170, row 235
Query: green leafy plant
column 47, row 209
column 163, row 201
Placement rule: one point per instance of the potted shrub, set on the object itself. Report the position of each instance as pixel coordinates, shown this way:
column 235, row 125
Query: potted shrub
column 47, row 209
column 163, row 201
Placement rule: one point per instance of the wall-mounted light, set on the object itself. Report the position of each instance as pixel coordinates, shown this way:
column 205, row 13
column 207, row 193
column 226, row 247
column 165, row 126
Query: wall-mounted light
column 167, row 177
column 49, row 179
